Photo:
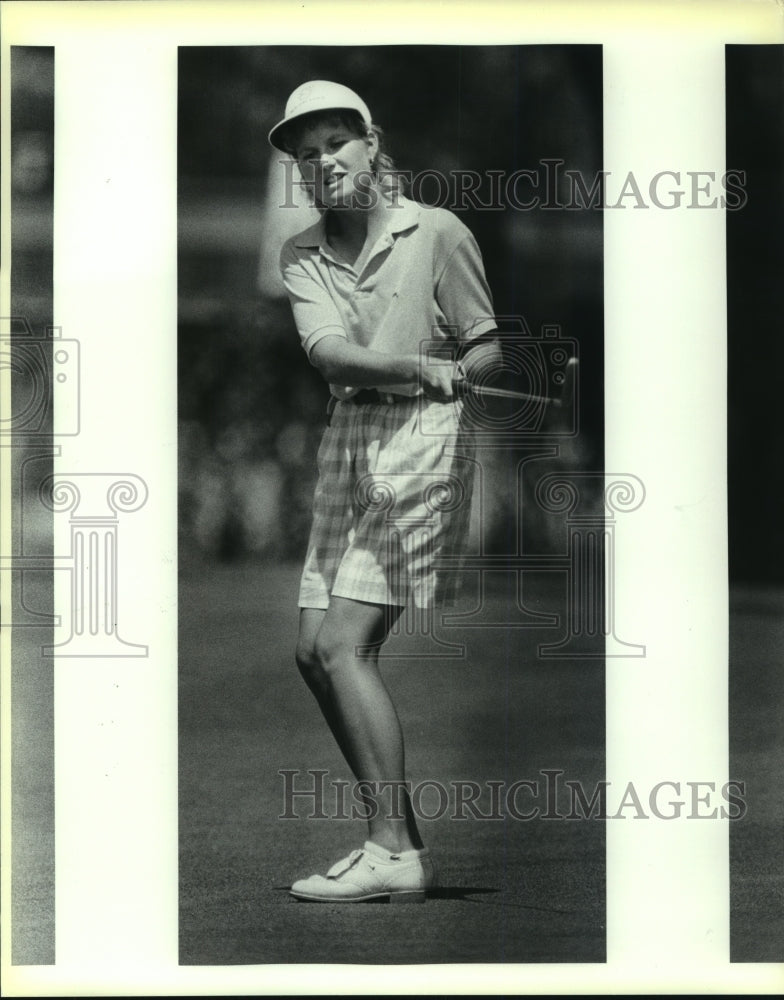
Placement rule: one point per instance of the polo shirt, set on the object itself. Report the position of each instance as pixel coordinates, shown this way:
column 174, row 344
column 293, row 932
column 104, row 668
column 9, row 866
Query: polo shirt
column 424, row 280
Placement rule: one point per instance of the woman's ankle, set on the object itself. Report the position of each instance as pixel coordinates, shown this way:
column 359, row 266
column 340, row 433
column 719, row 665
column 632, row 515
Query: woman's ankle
column 395, row 838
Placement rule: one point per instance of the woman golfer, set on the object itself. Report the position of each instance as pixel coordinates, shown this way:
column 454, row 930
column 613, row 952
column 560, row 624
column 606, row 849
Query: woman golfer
column 377, row 286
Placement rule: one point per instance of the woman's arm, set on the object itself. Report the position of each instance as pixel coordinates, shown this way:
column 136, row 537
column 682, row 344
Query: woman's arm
column 482, row 360
column 464, row 296
column 343, row 363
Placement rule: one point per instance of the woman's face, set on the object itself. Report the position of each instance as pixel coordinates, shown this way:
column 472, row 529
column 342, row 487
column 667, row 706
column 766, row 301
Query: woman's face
column 335, row 163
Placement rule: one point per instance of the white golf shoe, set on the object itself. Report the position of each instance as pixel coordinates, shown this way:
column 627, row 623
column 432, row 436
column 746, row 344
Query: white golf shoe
column 371, row 873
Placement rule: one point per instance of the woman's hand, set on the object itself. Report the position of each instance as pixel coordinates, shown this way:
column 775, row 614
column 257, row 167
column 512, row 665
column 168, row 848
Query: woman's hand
column 437, row 380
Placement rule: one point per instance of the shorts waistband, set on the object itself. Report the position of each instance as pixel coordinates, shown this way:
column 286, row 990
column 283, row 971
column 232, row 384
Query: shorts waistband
column 370, row 396
column 367, row 397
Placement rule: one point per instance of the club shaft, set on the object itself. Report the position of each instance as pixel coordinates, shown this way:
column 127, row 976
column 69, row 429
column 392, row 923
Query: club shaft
column 463, row 385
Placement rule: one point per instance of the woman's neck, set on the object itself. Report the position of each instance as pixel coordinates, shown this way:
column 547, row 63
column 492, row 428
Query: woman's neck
column 353, row 232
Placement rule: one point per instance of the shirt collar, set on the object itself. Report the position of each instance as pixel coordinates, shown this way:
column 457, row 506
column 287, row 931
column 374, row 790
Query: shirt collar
column 403, row 215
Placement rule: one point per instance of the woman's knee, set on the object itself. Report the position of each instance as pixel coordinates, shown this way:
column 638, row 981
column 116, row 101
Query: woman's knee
column 309, row 664
column 318, row 661
column 336, row 651
column 327, row 652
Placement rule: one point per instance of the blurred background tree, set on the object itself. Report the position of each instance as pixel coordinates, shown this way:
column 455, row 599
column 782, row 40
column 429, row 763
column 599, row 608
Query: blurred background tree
column 755, row 306
column 32, row 235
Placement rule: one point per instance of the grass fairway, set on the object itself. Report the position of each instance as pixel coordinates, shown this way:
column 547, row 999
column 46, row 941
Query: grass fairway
column 511, row 890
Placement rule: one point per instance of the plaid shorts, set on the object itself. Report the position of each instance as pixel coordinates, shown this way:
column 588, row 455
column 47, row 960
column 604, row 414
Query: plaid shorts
column 393, row 495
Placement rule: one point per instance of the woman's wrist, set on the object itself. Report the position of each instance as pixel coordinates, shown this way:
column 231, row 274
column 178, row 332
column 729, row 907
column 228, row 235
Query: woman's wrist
column 412, row 368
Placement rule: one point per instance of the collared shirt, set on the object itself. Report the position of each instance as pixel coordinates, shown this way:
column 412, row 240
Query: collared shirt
column 423, row 281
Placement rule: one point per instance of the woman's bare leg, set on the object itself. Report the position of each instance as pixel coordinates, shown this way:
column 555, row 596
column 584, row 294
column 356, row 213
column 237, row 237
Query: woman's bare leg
column 338, row 655
column 315, row 677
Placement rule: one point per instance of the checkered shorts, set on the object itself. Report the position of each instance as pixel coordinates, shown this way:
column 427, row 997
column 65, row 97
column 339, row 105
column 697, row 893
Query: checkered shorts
column 393, row 495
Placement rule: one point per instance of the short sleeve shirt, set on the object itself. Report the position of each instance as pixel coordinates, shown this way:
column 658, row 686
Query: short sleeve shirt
column 423, row 281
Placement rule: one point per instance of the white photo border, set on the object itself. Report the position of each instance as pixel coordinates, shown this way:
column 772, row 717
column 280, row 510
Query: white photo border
column 115, row 289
